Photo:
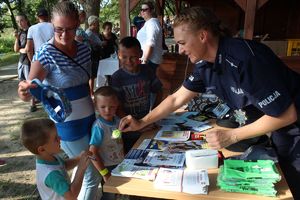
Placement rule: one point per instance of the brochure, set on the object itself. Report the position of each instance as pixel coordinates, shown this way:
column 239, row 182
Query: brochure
column 182, row 180
column 168, row 179
column 156, row 158
column 127, row 169
column 195, row 181
column 173, row 136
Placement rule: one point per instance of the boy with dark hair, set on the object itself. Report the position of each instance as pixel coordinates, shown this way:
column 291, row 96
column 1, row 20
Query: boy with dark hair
column 40, row 137
column 137, row 85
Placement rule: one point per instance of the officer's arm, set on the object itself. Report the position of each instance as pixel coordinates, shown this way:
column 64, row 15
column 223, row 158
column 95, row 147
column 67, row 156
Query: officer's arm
column 220, row 138
column 170, row 104
column 266, row 124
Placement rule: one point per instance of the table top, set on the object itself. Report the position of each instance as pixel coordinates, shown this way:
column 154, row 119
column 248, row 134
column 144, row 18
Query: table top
column 139, row 187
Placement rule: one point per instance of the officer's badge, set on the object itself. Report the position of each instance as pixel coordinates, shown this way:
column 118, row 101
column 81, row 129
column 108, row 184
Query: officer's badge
column 240, row 117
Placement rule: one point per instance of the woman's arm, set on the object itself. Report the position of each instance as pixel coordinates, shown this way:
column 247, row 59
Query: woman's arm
column 222, row 138
column 170, row 104
column 147, row 53
column 36, row 71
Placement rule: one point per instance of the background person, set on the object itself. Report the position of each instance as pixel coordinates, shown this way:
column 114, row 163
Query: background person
column 111, row 45
column 20, row 44
column 243, row 73
column 150, row 36
column 97, row 46
column 38, row 34
column 65, row 63
column 81, row 36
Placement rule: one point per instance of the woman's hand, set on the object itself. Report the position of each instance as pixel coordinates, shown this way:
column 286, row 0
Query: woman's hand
column 129, row 123
column 23, row 90
column 220, row 138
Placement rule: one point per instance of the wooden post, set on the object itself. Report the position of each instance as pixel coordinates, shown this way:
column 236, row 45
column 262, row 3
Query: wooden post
column 250, row 19
column 124, row 17
column 250, row 7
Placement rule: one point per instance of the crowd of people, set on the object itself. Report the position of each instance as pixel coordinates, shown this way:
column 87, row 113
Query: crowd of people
column 66, row 57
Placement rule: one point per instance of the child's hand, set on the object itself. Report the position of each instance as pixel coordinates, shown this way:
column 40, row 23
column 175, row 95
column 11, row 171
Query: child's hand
column 106, row 177
column 84, row 160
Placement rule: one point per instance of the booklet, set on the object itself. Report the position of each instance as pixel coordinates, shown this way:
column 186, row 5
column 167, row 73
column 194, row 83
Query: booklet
column 195, row 181
column 182, row 180
column 127, row 169
column 168, row 179
column 173, row 136
column 157, row 158
column 172, row 147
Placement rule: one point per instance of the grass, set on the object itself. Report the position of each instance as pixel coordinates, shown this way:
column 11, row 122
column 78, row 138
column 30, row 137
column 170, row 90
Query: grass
column 7, row 54
column 9, row 58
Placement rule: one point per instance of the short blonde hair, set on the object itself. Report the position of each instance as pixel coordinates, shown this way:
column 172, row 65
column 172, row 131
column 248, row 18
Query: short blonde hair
column 92, row 19
column 201, row 18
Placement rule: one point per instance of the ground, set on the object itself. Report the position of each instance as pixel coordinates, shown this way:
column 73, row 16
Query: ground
column 17, row 177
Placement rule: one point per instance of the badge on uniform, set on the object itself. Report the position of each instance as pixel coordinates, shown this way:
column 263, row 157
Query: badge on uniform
column 240, row 117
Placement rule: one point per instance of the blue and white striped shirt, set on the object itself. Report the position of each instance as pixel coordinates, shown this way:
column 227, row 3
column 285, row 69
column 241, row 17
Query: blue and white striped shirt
column 64, row 73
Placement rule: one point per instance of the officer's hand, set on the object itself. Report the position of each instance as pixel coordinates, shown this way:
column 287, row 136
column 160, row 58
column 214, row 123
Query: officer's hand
column 23, row 90
column 219, row 138
column 129, row 123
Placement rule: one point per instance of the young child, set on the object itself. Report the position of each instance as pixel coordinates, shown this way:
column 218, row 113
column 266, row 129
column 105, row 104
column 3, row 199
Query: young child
column 40, row 137
column 108, row 151
column 136, row 84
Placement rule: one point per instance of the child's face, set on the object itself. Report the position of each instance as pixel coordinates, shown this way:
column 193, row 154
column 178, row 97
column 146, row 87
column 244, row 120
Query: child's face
column 129, row 58
column 53, row 144
column 107, row 107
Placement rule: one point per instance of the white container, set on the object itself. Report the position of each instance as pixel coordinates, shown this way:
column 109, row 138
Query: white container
column 201, row 159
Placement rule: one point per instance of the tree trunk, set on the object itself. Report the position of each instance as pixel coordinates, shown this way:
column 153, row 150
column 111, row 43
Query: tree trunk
column 12, row 16
column 91, row 7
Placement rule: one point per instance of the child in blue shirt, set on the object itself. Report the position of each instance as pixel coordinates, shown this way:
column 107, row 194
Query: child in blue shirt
column 108, row 151
column 40, row 137
column 137, row 86
column 135, row 82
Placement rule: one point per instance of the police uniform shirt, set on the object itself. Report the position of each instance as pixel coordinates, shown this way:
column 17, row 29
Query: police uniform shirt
column 247, row 73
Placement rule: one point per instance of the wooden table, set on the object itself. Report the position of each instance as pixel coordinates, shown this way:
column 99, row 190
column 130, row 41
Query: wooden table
column 139, row 187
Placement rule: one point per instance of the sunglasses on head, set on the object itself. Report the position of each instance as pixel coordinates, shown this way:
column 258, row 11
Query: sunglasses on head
column 144, row 9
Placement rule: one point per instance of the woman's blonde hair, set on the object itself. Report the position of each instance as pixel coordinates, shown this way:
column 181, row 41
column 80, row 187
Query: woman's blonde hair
column 65, row 8
column 201, row 18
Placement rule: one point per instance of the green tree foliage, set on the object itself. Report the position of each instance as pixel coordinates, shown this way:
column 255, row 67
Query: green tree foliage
column 109, row 11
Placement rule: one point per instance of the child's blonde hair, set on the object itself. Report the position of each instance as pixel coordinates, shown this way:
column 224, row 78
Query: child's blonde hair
column 35, row 133
column 105, row 91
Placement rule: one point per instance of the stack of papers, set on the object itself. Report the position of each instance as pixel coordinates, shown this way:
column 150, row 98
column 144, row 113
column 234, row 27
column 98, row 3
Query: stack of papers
column 172, row 147
column 182, row 180
column 253, row 177
column 156, row 158
column 132, row 166
column 173, row 136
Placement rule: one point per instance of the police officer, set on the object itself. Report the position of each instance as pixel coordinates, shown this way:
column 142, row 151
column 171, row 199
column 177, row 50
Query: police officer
column 243, row 73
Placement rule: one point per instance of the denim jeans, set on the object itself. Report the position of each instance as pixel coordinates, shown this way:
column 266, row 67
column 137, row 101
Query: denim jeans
column 89, row 189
